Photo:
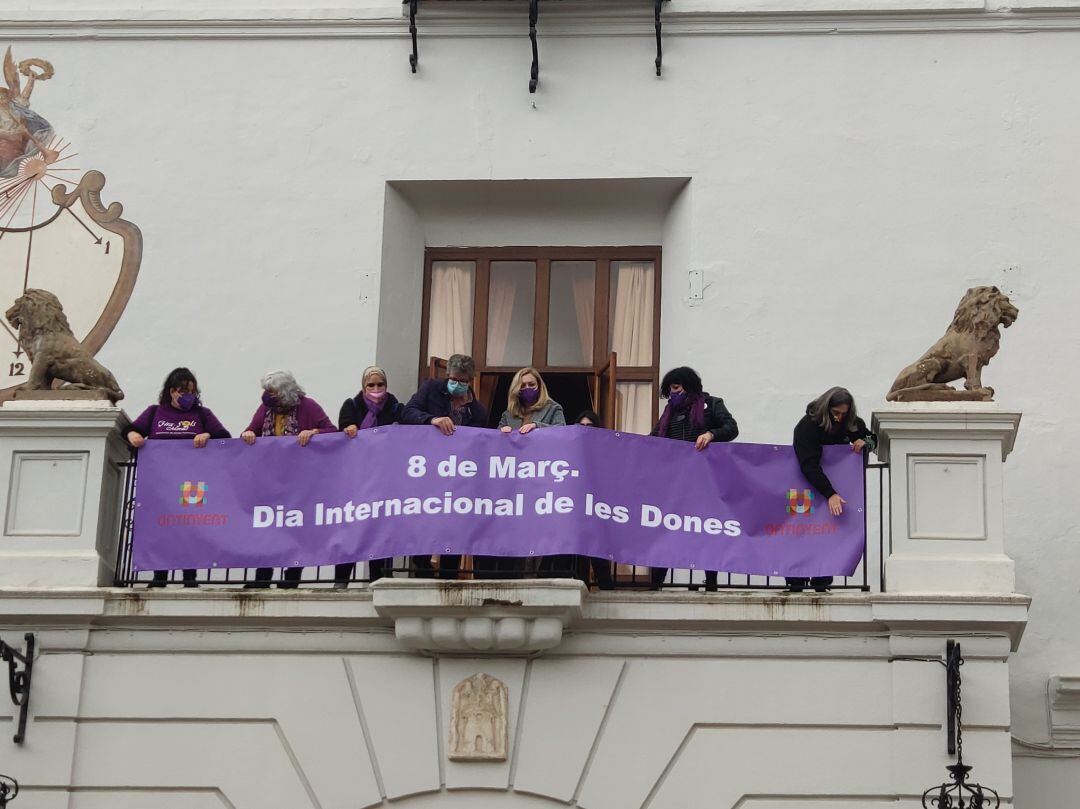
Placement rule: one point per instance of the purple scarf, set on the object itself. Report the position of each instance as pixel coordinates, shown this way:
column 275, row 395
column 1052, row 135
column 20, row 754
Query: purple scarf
column 371, row 417
column 695, row 402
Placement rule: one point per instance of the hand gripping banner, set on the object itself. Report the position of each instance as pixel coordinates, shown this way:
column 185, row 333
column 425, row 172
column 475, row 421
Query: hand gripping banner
column 402, row 490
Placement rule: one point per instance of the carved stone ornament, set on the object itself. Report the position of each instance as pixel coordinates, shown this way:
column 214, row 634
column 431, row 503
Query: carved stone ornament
column 53, row 351
column 478, row 710
column 969, row 343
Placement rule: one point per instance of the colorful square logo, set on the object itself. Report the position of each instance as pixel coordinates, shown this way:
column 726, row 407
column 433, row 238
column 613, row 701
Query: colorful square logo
column 192, row 494
column 800, row 502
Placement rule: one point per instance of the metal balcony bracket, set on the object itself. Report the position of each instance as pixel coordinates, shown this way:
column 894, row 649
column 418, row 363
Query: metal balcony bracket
column 414, row 57
column 534, row 76
column 659, row 43
column 19, row 680
column 953, row 662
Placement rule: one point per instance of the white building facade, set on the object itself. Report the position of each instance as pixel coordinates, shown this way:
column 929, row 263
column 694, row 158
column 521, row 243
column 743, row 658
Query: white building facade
column 816, row 185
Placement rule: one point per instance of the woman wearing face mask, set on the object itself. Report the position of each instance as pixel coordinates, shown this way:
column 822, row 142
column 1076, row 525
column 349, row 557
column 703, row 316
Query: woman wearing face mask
column 285, row 410
column 446, row 404
column 178, row 415
column 695, row 416
column 373, row 406
column 829, row 419
column 529, row 406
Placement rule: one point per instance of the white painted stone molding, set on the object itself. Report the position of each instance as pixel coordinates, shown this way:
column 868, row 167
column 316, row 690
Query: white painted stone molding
column 946, row 495
column 1064, row 691
column 515, row 617
column 62, row 484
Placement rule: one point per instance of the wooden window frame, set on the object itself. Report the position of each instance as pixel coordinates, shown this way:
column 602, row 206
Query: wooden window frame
column 543, row 257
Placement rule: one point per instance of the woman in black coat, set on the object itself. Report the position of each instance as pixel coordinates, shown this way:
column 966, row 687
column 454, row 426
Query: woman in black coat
column 830, row 419
column 691, row 415
column 373, row 406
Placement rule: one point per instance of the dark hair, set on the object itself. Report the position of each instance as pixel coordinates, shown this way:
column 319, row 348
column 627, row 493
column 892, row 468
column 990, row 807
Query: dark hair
column 592, row 416
column 178, row 378
column 687, row 377
column 820, row 409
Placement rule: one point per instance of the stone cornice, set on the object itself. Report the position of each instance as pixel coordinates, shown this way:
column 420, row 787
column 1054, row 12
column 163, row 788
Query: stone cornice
column 465, row 617
column 571, row 18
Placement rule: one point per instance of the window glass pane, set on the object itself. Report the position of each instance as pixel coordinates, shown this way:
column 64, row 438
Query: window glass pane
column 511, row 304
column 633, row 407
column 632, row 310
column 571, row 313
column 450, row 308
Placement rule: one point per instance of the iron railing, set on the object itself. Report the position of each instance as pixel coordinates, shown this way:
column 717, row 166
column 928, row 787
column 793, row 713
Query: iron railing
column 868, row 576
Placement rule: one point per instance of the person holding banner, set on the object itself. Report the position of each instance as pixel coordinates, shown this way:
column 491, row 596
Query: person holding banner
column 830, row 419
column 285, row 410
column 691, row 415
column 446, row 405
column 373, row 406
column 528, row 407
column 178, row 414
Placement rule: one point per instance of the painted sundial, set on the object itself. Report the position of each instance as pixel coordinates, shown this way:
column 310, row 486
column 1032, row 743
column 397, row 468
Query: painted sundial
column 55, row 233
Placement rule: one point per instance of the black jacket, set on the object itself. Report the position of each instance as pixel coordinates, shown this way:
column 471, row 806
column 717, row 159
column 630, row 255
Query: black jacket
column 808, row 440
column 433, row 401
column 353, row 412
column 718, row 421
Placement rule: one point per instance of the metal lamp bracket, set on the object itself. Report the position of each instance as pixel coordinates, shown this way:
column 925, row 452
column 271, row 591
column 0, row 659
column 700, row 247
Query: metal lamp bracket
column 19, row 680
column 953, row 661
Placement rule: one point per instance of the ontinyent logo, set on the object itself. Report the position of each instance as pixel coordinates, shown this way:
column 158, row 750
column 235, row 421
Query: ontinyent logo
column 800, row 502
column 193, row 494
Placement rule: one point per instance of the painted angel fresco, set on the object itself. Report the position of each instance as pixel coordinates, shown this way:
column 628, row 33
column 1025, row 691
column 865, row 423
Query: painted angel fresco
column 23, row 133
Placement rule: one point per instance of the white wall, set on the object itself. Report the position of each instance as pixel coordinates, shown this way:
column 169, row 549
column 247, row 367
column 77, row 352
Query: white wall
column 846, row 189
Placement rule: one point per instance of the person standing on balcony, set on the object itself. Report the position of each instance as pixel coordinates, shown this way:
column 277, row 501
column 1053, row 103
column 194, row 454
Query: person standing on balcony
column 446, row 404
column 373, row 406
column 691, row 415
column 179, row 414
column 528, row 407
column 285, row 410
column 830, row 419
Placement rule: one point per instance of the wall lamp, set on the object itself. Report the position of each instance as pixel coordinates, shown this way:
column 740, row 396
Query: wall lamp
column 960, row 794
column 9, row 788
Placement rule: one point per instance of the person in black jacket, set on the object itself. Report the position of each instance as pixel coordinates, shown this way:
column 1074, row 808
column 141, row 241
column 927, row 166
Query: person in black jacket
column 830, row 419
column 373, row 406
column 691, row 415
column 446, row 404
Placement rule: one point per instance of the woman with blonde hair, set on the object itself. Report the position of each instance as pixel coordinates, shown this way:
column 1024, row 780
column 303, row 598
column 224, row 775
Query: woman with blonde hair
column 529, row 406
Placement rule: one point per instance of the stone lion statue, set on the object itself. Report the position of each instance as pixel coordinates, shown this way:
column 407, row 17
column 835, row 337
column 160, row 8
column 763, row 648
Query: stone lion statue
column 969, row 344
column 53, row 351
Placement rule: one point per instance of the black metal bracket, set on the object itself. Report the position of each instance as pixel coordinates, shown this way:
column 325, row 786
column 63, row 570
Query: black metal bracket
column 659, row 44
column 953, row 662
column 414, row 57
column 9, row 788
column 19, row 681
column 534, row 75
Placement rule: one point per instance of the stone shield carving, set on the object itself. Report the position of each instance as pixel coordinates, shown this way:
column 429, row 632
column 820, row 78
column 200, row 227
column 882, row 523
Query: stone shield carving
column 478, row 710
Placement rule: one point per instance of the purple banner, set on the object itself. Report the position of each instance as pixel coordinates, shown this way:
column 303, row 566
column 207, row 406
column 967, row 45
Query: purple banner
column 400, row 490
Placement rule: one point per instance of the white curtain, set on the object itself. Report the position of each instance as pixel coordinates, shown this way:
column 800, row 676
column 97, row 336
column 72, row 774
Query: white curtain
column 450, row 310
column 502, row 288
column 632, row 339
column 584, row 287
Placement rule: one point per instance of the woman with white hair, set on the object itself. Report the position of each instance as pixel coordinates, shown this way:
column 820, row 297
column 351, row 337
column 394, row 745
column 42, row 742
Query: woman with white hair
column 373, row 406
column 285, row 410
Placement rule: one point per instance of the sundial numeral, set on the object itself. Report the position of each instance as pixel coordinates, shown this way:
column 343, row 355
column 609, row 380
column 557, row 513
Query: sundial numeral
column 106, row 248
column 16, row 369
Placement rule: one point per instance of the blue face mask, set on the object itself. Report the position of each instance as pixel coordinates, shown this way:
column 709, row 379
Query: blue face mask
column 455, row 388
column 186, row 401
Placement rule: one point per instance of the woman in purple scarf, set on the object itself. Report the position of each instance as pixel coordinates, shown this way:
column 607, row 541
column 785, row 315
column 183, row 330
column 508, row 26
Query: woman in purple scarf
column 691, row 415
column 373, row 406
column 285, row 410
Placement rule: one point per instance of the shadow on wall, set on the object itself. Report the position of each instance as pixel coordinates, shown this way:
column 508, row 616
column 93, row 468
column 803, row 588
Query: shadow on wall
column 499, row 213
